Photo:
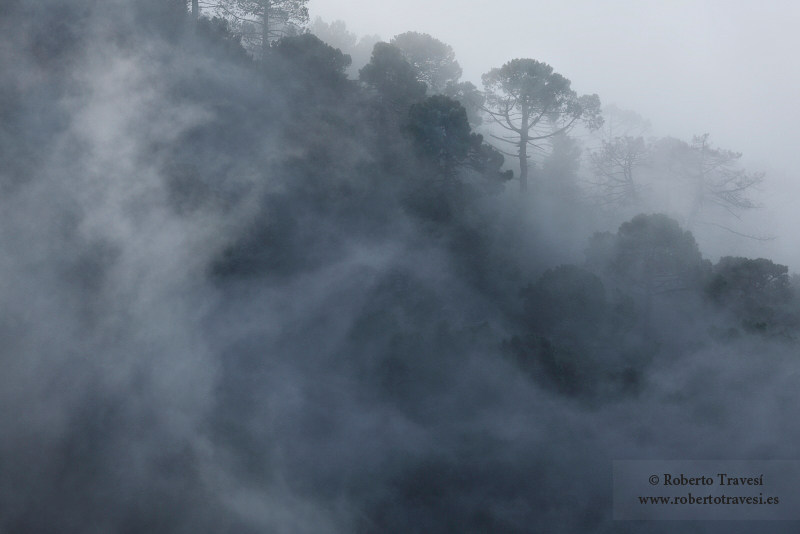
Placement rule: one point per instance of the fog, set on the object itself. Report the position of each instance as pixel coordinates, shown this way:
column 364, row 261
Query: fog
column 724, row 68
column 691, row 67
column 239, row 295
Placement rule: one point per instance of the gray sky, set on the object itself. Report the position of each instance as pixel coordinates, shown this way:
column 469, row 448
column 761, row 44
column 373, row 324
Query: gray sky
column 731, row 69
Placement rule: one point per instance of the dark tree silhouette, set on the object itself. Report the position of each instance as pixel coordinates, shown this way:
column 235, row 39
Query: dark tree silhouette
column 578, row 337
column 394, row 78
column 470, row 97
column 442, row 132
column 755, row 291
column 313, row 57
column 650, row 254
column 760, row 280
column 338, row 36
column 533, row 103
column 440, row 128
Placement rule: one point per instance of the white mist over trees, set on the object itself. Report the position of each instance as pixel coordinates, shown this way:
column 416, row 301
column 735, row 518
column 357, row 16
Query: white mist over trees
column 616, row 163
column 244, row 291
column 433, row 60
column 337, row 35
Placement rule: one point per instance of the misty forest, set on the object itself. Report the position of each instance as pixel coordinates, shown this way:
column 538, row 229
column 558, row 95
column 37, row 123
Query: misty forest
column 263, row 275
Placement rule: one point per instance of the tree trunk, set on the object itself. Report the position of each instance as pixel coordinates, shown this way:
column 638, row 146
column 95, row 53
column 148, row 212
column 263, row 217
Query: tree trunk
column 523, row 166
column 634, row 193
column 265, row 29
column 523, row 152
column 195, row 9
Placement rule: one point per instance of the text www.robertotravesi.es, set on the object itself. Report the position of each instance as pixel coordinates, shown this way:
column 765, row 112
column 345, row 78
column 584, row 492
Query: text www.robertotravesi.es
column 724, row 480
column 741, row 490
column 722, row 499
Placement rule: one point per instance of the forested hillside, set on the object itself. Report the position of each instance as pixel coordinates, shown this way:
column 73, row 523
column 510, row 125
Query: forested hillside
column 247, row 288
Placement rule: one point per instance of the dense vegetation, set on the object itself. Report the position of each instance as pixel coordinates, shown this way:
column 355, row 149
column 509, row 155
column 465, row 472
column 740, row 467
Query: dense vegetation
column 258, row 295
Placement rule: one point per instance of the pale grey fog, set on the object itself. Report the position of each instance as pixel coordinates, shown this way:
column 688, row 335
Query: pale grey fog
column 293, row 266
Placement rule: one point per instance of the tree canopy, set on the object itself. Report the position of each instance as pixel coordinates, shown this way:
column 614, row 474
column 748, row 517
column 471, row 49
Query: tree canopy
column 470, row 97
column 440, row 127
column 533, row 103
column 310, row 55
column 441, row 130
column 338, row 36
column 433, row 60
column 650, row 254
column 334, row 34
column 614, row 165
column 261, row 21
column 393, row 77
column 715, row 177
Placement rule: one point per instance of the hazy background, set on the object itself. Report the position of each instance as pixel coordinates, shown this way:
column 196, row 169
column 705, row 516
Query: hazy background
column 730, row 69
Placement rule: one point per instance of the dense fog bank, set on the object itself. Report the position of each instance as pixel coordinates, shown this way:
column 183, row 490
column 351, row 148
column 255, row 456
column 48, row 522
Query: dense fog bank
column 246, row 293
